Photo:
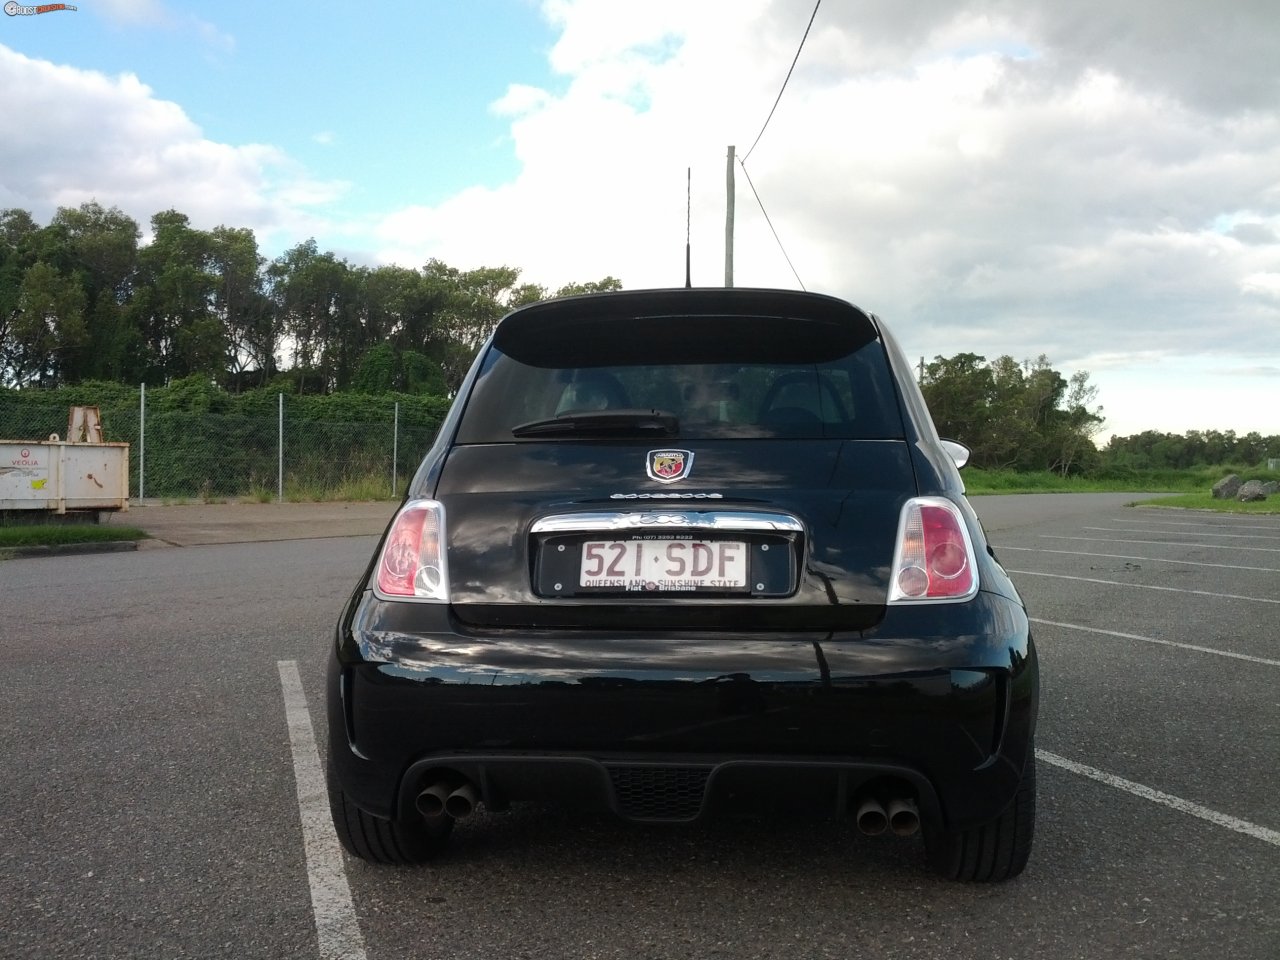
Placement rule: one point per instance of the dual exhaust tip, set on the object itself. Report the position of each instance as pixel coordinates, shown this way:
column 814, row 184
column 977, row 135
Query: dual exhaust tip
column 447, row 798
column 458, row 800
column 900, row 815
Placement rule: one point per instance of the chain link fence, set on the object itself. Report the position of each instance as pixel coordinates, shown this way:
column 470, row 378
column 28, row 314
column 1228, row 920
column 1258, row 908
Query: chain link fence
column 195, row 456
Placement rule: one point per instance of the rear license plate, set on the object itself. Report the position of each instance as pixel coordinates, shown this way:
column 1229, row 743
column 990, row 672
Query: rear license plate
column 664, row 565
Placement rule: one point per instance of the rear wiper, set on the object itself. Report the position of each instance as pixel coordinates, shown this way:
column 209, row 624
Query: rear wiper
column 603, row 423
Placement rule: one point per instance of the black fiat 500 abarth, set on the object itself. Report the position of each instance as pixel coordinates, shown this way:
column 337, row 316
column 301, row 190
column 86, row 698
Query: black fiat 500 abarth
column 679, row 554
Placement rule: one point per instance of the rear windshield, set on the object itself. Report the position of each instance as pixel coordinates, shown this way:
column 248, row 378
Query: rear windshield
column 718, row 376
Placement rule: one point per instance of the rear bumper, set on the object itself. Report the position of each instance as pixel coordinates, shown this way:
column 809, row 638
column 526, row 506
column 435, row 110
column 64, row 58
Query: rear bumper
column 939, row 701
column 676, row 789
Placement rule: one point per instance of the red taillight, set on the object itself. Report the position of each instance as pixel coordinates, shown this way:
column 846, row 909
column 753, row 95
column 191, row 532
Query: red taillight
column 412, row 564
column 934, row 558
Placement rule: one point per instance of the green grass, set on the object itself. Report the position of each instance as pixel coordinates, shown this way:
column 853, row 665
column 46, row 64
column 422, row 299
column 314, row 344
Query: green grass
column 350, row 489
column 1205, row 501
column 1193, row 482
column 1192, row 488
column 56, row 534
column 979, row 481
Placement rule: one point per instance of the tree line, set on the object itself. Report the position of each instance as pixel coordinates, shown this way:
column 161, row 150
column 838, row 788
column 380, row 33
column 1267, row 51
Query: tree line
column 1015, row 416
column 1153, row 450
column 81, row 300
column 1027, row 416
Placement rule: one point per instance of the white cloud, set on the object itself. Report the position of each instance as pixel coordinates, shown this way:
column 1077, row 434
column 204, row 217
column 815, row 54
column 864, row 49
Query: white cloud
column 157, row 15
column 961, row 174
column 1267, row 284
column 520, row 99
column 1251, row 372
column 217, row 39
column 133, row 11
column 1093, row 181
column 990, row 176
column 82, row 135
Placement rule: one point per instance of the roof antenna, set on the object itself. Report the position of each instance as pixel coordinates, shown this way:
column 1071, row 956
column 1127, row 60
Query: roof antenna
column 688, row 188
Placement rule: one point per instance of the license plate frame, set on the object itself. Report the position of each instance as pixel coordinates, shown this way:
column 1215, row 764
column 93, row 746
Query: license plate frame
column 772, row 566
column 691, row 565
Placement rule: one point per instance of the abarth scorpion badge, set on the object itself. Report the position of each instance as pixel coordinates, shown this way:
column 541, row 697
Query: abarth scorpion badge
column 668, row 466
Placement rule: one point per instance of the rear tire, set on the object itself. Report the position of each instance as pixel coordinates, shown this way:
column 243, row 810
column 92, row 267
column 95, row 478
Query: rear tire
column 995, row 851
column 379, row 840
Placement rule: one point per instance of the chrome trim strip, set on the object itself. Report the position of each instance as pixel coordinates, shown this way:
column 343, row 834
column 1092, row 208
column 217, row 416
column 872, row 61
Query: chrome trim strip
column 666, row 496
column 739, row 520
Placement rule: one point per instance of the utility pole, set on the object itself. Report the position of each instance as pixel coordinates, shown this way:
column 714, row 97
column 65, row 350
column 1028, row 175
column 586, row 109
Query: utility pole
column 688, row 224
column 728, row 220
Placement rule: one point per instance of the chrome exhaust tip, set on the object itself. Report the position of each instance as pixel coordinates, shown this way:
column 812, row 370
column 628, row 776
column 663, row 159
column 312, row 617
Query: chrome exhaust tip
column 461, row 803
column 904, row 818
column 431, row 802
column 872, row 819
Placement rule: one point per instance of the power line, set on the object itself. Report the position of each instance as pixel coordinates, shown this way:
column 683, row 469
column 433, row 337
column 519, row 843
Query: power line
column 770, row 223
column 742, row 162
column 784, row 82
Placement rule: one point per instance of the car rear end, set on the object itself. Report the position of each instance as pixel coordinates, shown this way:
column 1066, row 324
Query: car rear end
column 686, row 553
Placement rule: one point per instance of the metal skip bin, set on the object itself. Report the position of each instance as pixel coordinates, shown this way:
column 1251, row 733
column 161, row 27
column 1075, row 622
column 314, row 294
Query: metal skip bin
column 58, row 476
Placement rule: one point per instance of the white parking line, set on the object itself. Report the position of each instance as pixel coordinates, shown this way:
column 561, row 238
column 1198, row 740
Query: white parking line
column 335, row 915
column 1264, row 834
column 1166, row 643
column 1145, row 586
column 1184, row 523
column 1165, row 543
column 1195, row 533
column 1121, row 556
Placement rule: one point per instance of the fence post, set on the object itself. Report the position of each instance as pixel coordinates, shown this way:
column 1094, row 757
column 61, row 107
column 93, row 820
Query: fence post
column 280, row 448
column 142, row 445
column 395, row 451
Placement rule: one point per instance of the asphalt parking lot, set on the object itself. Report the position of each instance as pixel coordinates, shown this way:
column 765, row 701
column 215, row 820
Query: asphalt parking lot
column 160, row 798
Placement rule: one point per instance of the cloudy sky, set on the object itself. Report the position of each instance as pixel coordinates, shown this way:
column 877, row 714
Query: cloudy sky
column 1094, row 181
